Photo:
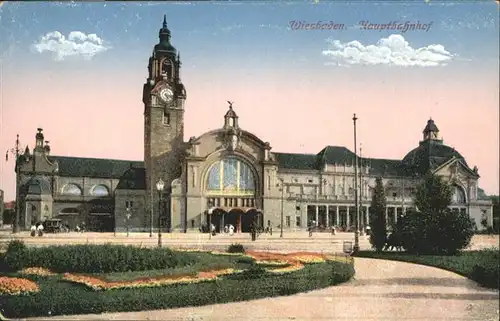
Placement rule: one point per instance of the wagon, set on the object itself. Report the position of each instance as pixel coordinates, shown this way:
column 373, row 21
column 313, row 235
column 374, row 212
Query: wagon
column 53, row 226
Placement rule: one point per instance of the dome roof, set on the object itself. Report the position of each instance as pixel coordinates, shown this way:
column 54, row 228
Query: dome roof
column 164, row 35
column 429, row 155
column 37, row 185
column 167, row 47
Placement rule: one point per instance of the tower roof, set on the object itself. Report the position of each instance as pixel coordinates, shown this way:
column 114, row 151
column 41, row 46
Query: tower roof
column 164, row 45
column 431, row 127
column 230, row 112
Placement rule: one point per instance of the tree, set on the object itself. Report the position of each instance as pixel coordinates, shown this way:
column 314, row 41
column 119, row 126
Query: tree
column 378, row 226
column 433, row 228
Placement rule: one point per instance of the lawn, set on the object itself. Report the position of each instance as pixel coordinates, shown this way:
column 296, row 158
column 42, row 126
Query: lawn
column 196, row 278
column 204, row 262
column 481, row 266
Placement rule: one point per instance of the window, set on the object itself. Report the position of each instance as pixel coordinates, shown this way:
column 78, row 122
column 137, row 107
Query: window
column 166, row 118
column 129, row 204
column 309, row 180
column 192, row 223
column 126, row 204
column 458, row 195
column 288, row 221
column 230, row 176
column 394, row 194
column 297, row 208
column 99, row 190
column 297, row 221
column 71, row 189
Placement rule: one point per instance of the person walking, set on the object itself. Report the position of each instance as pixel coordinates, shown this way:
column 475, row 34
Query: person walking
column 39, row 229
column 231, row 229
column 253, row 231
column 311, row 224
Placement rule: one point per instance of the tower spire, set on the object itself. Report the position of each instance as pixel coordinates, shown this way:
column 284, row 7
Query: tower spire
column 164, row 21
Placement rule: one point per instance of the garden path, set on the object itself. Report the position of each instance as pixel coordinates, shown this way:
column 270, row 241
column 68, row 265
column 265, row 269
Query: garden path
column 381, row 290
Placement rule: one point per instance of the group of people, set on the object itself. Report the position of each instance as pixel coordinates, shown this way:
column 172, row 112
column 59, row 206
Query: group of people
column 229, row 229
column 36, row 229
column 212, row 229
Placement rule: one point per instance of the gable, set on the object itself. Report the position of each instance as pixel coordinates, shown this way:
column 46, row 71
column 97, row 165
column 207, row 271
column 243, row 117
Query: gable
column 455, row 168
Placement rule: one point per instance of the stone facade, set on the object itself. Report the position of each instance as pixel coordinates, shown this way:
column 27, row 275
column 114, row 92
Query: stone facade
column 227, row 175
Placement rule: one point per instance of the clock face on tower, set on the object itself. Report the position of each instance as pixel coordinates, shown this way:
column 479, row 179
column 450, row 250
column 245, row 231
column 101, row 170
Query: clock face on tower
column 167, row 95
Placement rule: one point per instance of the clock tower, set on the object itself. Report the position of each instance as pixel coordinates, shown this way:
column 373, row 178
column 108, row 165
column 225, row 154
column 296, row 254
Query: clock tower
column 163, row 96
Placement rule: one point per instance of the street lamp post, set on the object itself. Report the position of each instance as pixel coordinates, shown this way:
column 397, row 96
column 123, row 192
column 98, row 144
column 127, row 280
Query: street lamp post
column 151, row 216
column 282, row 196
column 159, row 187
column 127, row 216
column 210, row 211
column 356, row 200
column 16, row 151
column 362, row 212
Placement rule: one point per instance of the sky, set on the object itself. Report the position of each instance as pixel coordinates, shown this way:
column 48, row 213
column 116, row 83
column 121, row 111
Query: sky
column 296, row 72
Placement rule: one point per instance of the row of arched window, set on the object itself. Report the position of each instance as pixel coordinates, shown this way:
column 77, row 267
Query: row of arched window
column 96, row 190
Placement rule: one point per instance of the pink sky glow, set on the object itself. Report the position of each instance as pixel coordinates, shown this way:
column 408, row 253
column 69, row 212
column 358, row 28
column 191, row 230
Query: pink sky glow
column 94, row 116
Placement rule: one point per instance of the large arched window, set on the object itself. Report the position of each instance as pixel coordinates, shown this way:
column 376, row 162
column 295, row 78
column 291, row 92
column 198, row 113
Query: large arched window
column 458, row 195
column 99, row 190
column 71, row 189
column 230, row 176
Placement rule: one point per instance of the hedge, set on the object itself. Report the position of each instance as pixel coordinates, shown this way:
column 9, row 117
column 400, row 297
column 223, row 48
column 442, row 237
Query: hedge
column 58, row 297
column 93, row 258
column 480, row 266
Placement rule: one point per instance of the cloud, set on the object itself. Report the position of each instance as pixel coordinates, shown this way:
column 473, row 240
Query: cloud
column 393, row 51
column 77, row 44
column 231, row 28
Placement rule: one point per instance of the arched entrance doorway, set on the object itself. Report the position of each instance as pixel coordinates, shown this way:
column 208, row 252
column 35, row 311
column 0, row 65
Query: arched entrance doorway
column 230, row 190
column 252, row 216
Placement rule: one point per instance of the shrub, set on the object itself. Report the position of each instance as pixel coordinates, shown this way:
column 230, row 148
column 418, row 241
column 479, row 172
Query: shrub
column 16, row 255
column 480, row 266
column 436, row 233
column 92, row 258
column 434, row 228
column 486, row 270
column 236, row 248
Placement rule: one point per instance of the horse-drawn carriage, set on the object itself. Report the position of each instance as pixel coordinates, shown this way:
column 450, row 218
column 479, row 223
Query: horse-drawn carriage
column 54, row 225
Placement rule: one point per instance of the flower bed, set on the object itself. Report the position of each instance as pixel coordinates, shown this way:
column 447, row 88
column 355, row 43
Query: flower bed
column 308, row 258
column 71, row 295
column 99, row 285
column 17, row 286
column 274, row 262
column 37, row 271
column 288, row 269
